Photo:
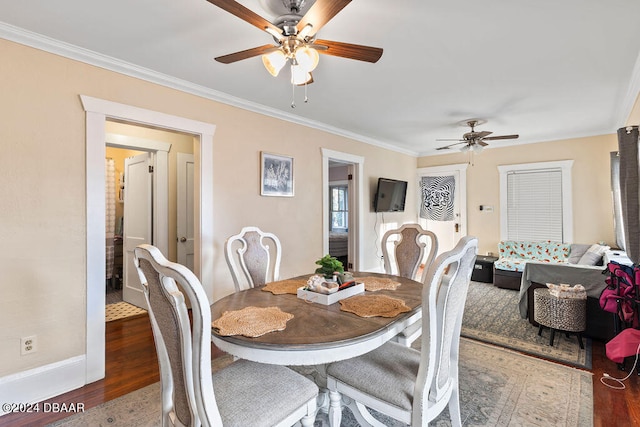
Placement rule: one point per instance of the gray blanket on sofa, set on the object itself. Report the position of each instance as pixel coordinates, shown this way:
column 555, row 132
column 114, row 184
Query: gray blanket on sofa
column 590, row 277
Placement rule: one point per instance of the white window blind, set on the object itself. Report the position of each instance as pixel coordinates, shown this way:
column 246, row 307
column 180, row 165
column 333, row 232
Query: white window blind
column 534, row 205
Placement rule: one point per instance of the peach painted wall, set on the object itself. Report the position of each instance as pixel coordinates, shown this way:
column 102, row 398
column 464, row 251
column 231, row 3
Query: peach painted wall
column 42, row 258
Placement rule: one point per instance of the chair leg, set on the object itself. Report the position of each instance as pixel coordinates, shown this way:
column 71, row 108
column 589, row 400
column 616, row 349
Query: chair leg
column 580, row 340
column 308, row 420
column 454, row 408
column 540, row 330
column 335, row 409
column 552, row 337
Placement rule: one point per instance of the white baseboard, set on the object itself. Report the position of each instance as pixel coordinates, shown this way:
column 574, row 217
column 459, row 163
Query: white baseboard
column 43, row 382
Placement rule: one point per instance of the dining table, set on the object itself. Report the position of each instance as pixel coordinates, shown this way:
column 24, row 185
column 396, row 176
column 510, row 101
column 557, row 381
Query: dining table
column 315, row 333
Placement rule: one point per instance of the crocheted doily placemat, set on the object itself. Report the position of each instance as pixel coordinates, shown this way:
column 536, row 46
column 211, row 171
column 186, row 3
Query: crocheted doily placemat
column 374, row 305
column 289, row 286
column 373, row 284
column 252, row 321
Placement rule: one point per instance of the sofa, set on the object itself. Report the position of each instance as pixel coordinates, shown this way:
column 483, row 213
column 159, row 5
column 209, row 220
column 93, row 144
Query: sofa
column 514, row 255
column 525, row 266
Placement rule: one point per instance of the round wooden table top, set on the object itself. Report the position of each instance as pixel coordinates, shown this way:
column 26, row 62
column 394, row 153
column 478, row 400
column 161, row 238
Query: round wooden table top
column 317, row 333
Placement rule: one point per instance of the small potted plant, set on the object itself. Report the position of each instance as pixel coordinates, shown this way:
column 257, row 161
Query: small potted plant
column 330, row 267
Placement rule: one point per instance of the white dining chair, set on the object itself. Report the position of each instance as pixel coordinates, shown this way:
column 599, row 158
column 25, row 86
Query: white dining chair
column 242, row 394
column 409, row 385
column 413, row 248
column 253, row 257
column 410, row 243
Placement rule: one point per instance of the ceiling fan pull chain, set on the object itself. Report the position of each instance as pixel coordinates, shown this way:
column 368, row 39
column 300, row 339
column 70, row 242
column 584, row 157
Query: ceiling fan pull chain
column 306, row 98
column 293, row 96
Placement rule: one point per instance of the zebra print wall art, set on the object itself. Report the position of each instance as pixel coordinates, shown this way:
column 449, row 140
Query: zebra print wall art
column 437, row 197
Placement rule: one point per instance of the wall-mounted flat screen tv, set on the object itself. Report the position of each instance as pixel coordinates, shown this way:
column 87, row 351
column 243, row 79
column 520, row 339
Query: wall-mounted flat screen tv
column 390, row 196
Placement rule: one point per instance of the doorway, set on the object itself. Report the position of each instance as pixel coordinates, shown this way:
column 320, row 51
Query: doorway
column 343, row 184
column 97, row 111
column 117, row 159
column 141, row 212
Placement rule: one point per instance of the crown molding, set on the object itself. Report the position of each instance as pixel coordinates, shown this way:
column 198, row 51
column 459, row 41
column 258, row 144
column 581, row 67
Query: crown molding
column 67, row 50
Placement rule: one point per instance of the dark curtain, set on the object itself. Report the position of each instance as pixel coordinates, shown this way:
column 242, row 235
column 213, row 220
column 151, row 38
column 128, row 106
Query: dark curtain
column 629, row 188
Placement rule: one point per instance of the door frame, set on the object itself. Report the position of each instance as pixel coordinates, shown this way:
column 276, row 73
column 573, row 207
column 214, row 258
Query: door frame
column 461, row 169
column 97, row 111
column 356, row 210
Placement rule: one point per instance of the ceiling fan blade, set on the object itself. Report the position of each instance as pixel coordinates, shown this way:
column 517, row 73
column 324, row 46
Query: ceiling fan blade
column 450, row 145
column 483, row 134
column 491, row 138
column 245, row 54
column 320, row 13
column 247, row 15
column 348, row 50
column 450, row 139
column 481, row 143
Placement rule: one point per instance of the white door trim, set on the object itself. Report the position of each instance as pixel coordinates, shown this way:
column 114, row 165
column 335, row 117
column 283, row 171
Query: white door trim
column 97, row 112
column 356, row 209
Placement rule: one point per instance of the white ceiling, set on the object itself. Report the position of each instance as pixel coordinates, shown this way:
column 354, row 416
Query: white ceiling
column 545, row 69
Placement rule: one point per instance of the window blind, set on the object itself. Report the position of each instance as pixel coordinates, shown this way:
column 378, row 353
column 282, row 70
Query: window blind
column 534, row 205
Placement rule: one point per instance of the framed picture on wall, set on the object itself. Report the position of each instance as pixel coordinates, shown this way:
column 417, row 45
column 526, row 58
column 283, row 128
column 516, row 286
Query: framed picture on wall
column 276, row 177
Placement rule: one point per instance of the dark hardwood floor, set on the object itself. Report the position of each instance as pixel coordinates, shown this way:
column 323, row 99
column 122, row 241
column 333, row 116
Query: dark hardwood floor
column 131, row 364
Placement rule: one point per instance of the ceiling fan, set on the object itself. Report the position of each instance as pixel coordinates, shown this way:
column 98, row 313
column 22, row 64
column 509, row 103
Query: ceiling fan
column 474, row 140
column 295, row 38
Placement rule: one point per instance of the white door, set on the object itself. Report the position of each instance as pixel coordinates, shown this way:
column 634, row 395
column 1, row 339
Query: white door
column 137, row 221
column 442, row 204
column 185, row 214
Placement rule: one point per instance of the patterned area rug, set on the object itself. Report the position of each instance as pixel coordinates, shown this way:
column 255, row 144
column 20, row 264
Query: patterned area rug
column 491, row 315
column 497, row 388
column 120, row 310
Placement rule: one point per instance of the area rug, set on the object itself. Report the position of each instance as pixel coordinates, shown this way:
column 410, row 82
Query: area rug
column 491, row 315
column 498, row 387
column 120, row 310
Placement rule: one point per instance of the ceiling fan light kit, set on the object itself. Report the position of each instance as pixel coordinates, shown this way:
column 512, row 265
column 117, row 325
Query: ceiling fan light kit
column 274, row 62
column 295, row 52
column 477, row 148
column 295, row 38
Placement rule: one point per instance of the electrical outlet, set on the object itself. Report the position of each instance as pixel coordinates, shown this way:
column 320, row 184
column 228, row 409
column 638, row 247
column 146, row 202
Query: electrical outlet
column 28, row 345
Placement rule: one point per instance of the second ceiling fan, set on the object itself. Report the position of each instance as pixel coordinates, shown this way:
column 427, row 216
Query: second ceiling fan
column 475, row 140
column 295, row 37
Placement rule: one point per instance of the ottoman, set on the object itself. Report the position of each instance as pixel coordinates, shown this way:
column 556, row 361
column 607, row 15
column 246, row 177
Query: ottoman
column 559, row 314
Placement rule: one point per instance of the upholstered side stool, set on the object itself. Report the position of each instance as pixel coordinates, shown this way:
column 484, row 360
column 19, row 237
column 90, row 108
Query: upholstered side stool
column 559, row 314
